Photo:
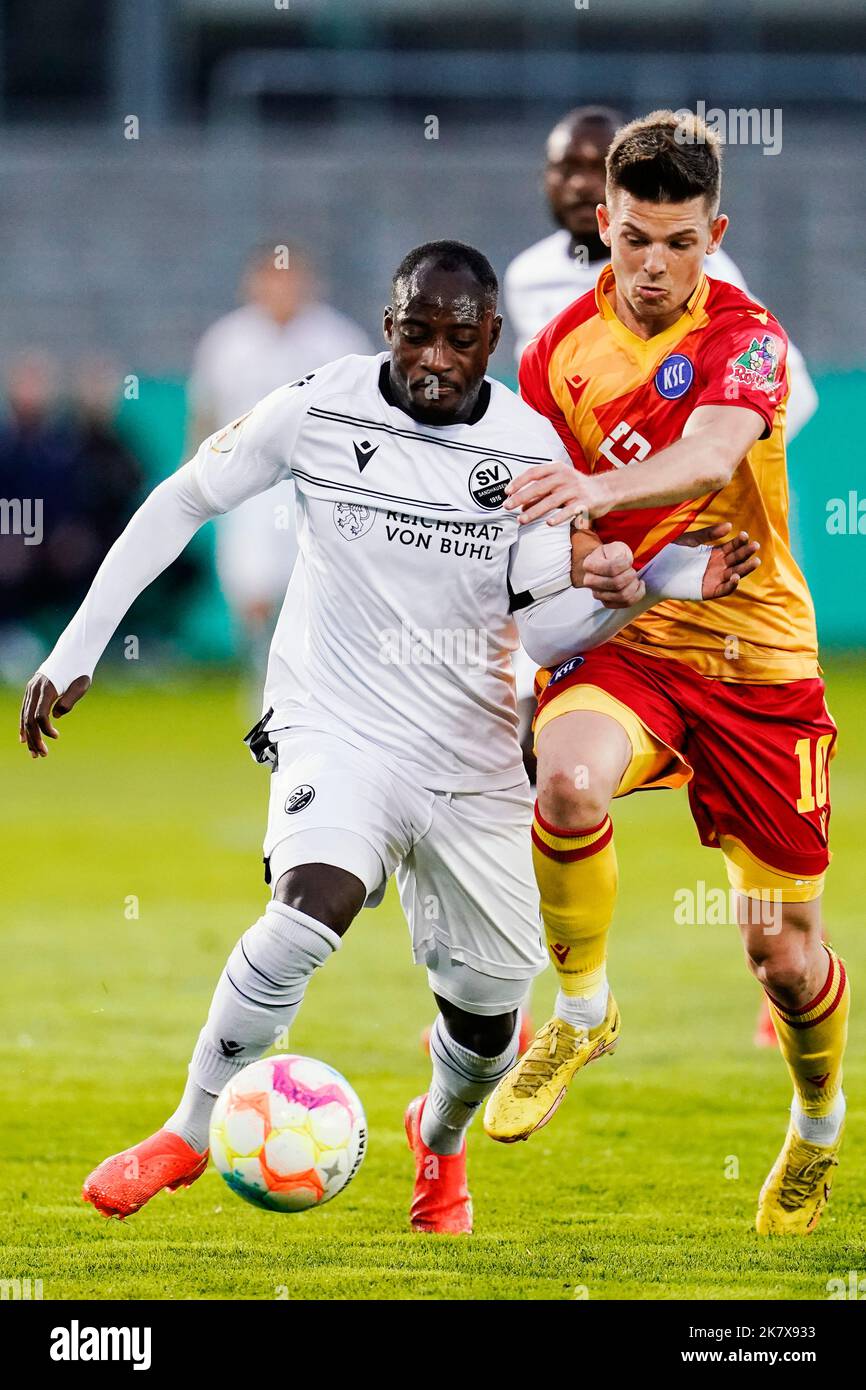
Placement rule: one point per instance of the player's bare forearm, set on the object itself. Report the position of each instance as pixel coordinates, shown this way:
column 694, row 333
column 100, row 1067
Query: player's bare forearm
column 700, row 463
column 703, row 461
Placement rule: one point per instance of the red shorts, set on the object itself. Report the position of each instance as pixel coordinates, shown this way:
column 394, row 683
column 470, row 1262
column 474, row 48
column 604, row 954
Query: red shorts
column 756, row 757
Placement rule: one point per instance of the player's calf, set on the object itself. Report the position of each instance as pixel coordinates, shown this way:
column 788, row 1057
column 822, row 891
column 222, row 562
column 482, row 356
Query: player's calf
column 256, row 999
column 808, row 993
column 470, row 1052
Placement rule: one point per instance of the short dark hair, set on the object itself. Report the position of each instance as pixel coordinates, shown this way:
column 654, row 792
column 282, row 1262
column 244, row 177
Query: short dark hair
column 667, row 157
column 450, row 255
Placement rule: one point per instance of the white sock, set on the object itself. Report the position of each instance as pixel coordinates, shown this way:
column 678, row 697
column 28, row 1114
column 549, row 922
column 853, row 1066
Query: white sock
column 256, row 999
column 461, row 1081
column 821, row 1129
column 583, row 1013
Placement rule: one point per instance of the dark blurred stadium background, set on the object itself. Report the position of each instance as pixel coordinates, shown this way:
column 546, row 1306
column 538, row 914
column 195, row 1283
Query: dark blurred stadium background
column 304, row 121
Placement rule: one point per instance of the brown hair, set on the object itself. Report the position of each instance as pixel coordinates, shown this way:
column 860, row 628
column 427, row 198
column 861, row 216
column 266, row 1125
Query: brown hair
column 667, row 157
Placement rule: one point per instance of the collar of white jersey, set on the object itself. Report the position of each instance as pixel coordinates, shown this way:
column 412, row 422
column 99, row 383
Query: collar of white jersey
column 478, row 412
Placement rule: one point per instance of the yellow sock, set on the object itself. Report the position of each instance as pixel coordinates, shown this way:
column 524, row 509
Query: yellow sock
column 812, row 1040
column 577, row 880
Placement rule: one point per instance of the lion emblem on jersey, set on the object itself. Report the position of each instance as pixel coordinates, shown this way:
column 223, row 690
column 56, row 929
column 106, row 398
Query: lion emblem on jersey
column 353, row 519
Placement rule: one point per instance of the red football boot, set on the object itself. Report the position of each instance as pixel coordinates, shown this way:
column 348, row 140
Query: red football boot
column 122, row 1184
column 441, row 1203
column 765, row 1033
column 527, row 1033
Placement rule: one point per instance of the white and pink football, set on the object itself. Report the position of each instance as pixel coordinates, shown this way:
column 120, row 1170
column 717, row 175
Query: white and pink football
column 288, row 1133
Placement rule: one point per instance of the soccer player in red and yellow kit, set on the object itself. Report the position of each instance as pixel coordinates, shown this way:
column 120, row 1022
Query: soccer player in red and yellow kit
column 668, row 390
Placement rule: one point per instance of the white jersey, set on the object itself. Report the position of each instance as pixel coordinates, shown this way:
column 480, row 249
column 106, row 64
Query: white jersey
column 545, row 278
column 397, row 623
column 398, row 629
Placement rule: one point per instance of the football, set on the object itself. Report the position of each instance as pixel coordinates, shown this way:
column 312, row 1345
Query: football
column 288, row 1133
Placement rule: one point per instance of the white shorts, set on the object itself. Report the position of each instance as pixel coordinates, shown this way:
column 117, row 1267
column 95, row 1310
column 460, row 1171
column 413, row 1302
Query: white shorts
column 463, row 860
column 524, row 674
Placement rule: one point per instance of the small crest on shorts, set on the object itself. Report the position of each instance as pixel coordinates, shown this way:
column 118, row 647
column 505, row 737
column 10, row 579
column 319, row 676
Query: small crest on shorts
column 353, row 519
column 299, row 799
column 565, row 669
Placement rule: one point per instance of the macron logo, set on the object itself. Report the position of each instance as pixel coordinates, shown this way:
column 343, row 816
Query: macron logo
column 77, row 1343
column 364, row 452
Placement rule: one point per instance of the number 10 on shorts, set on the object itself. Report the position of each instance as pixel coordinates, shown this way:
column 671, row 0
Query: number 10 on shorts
column 813, row 755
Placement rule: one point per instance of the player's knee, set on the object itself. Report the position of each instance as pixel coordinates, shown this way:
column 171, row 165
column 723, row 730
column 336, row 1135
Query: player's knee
column 486, row 1036
column 781, row 963
column 571, row 796
column 329, row 894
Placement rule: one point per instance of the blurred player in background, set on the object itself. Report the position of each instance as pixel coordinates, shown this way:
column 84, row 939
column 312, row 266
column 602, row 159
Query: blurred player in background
column 668, row 390
column 281, row 331
column 547, row 277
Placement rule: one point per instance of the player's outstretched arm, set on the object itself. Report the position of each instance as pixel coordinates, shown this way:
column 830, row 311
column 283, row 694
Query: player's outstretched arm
column 715, row 440
column 154, row 538
column 248, row 457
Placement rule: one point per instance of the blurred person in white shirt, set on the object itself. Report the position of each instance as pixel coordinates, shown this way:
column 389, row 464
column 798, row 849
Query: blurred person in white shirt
column 280, row 332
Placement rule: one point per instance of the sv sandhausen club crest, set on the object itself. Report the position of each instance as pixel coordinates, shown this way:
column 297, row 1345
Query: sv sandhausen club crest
column 299, row 799
column 487, row 483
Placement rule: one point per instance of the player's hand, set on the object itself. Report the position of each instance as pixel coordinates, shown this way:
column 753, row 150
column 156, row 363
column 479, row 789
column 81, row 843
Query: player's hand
column 559, row 492
column 39, row 703
column 729, row 563
column 609, row 573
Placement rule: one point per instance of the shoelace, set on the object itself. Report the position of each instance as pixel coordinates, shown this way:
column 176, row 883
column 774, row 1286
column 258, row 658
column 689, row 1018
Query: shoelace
column 799, row 1184
column 539, row 1066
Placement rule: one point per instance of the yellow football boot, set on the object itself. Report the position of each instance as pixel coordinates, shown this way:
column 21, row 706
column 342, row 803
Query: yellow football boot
column 797, row 1188
column 529, row 1095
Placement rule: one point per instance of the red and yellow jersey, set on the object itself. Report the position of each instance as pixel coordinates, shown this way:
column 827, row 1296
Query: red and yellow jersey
column 615, row 399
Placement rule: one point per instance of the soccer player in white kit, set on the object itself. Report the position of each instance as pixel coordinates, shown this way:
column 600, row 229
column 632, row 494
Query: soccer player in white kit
column 390, row 721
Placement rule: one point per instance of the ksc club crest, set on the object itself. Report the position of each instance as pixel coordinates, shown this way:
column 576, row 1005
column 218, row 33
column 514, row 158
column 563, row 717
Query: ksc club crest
column 299, row 799
column 353, row 519
column 565, row 669
column 758, row 366
column 487, row 483
column 674, row 376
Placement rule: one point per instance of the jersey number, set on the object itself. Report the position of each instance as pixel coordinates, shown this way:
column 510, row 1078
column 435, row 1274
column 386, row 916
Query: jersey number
column 630, row 443
column 813, row 756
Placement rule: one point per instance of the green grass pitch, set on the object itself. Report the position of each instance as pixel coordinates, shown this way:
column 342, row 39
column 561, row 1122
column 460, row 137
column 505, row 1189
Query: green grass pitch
column 644, row 1185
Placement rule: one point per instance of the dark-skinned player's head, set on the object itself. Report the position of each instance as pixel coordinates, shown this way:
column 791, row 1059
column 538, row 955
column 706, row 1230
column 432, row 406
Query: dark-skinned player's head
column 661, row 213
column 441, row 327
column 574, row 171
